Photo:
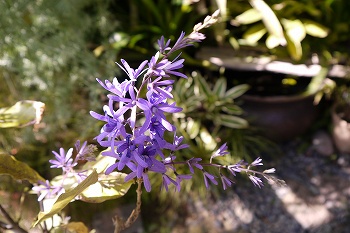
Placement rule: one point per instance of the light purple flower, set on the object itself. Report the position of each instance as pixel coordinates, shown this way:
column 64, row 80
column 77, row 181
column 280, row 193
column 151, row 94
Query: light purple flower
column 194, row 162
column 220, row 152
column 207, row 176
column 63, row 160
column 257, row 162
column 179, row 179
column 45, row 190
column 256, row 181
column 167, row 181
column 163, row 47
column 226, row 182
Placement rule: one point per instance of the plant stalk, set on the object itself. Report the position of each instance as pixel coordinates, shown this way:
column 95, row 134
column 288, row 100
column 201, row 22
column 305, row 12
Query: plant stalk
column 119, row 224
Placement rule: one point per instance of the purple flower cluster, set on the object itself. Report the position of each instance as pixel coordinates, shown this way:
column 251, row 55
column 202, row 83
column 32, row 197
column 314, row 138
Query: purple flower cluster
column 135, row 123
column 66, row 162
column 141, row 146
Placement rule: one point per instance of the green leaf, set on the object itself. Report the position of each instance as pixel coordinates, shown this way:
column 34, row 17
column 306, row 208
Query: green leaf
column 17, row 169
column 272, row 42
column 76, row 227
column 192, row 128
column 315, row 29
column 232, row 121
column 202, row 87
column 108, row 187
column 294, row 48
column 100, row 164
column 208, row 140
column 220, row 87
column 254, row 34
column 67, row 197
column 237, row 91
column 250, row 16
column 270, row 20
column 295, row 29
column 232, row 109
column 23, row 113
column 316, row 82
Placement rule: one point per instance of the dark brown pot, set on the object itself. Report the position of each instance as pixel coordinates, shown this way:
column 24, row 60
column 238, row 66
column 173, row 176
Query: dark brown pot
column 280, row 118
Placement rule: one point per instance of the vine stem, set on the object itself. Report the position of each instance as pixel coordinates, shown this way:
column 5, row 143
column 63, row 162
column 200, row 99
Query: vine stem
column 119, row 223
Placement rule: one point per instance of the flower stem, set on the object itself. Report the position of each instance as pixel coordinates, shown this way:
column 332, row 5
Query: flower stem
column 119, row 224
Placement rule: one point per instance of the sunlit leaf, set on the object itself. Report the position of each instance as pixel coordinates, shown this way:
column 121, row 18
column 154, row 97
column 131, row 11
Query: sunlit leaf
column 100, row 164
column 270, row 20
column 232, row 109
column 220, row 87
column 295, row 29
column 294, row 48
column 232, row 121
column 272, row 42
column 192, row 128
column 76, row 227
column 315, row 29
column 108, row 187
column 98, row 50
column 202, row 87
column 250, row 16
column 236, row 91
column 208, row 140
column 23, row 113
column 254, row 34
column 67, row 197
column 17, row 169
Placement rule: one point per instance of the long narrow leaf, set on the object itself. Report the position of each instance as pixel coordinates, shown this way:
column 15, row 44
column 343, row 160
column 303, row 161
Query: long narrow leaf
column 270, row 20
column 233, row 121
column 202, row 87
column 67, row 197
column 220, row 87
column 237, row 91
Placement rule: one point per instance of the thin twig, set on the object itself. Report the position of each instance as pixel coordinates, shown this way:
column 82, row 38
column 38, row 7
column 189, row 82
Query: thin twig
column 119, row 224
column 14, row 224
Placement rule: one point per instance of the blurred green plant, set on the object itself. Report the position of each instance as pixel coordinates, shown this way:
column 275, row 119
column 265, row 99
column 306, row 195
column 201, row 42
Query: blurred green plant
column 208, row 109
column 46, row 55
column 287, row 23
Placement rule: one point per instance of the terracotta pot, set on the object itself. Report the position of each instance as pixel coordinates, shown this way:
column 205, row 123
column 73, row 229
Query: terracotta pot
column 280, row 118
column 341, row 130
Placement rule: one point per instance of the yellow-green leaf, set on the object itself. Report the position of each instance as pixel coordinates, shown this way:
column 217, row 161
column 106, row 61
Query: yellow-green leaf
column 220, row 87
column 295, row 29
column 294, row 48
column 248, row 17
column 98, row 50
column 208, row 140
column 270, row 20
column 192, row 128
column 23, row 113
column 237, row 91
column 254, row 34
column 67, row 197
column 100, row 164
column 233, row 122
column 17, row 169
column 315, row 29
column 272, row 42
column 76, row 227
column 108, row 187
